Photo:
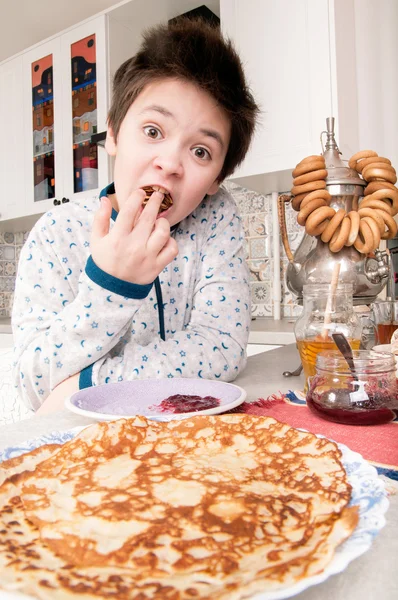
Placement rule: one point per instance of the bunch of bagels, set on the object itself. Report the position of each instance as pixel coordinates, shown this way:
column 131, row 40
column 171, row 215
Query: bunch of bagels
column 365, row 225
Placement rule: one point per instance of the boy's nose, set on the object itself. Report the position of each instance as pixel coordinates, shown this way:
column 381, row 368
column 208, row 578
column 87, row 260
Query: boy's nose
column 170, row 162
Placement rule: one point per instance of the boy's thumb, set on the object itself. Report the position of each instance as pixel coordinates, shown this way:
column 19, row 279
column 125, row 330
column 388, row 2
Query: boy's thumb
column 102, row 218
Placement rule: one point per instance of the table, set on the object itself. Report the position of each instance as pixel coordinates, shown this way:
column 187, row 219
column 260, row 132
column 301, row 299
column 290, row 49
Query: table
column 370, row 576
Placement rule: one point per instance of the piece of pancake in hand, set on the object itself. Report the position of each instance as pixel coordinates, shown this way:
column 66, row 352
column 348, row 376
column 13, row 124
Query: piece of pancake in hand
column 167, row 201
column 208, row 508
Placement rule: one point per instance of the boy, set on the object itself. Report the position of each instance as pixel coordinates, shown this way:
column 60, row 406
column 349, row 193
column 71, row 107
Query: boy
column 109, row 289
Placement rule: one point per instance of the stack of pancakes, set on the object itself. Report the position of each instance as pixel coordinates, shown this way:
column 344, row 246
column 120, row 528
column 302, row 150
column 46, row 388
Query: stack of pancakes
column 209, row 507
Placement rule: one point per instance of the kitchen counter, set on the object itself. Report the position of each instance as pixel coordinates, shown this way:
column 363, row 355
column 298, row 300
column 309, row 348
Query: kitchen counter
column 5, row 325
column 269, row 331
column 366, row 578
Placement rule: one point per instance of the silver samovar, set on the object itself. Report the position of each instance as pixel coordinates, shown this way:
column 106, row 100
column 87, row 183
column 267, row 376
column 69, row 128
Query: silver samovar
column 313, row 262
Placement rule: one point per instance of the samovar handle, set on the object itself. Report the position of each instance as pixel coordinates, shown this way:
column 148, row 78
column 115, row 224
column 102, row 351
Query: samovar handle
column 282, row 199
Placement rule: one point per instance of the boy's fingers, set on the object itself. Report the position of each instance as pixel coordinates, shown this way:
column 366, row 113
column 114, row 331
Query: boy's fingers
column 101, row 219
column 167, row 254
column 129, row 213
column 159, row 236
column 147, row 218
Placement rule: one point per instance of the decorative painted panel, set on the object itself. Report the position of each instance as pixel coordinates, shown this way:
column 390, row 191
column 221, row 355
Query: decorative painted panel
column 84, row 113
column 43, row 128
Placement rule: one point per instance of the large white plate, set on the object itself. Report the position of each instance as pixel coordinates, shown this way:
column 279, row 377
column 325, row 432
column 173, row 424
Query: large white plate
column 368, row 492
column 141, row 396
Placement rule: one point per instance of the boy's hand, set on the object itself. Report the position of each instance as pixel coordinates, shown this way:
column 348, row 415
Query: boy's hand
column 139, row 246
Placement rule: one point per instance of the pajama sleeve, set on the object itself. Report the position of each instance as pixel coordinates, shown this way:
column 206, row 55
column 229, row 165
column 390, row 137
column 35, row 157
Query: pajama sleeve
column 64, row 320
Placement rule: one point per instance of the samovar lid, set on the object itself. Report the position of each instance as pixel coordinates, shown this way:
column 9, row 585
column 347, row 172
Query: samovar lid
column 338, row 172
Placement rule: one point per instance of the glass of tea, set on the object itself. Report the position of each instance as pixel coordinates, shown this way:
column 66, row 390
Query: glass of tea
column 319, row 320
column 385, row 320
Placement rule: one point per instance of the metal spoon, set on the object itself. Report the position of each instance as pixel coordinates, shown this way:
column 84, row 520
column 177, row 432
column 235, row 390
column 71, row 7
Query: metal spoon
column 295, row 373
column 344, row 346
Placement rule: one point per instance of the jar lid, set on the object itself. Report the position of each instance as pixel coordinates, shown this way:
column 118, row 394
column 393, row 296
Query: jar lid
column 366, row 362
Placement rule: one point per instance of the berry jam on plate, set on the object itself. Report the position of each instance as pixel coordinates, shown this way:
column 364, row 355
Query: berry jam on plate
column 183, row 403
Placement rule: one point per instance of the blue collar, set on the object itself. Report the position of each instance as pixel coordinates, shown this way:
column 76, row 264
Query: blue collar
column 109, row 189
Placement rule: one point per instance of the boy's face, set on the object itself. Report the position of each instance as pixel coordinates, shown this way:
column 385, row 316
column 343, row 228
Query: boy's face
column 173, row 136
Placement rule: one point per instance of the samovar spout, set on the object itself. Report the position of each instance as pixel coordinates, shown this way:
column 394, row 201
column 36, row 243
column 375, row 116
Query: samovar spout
column 378, row 269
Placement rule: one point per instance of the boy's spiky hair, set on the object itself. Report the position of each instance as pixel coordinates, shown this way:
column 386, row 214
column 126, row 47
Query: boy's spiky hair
column 194, row 51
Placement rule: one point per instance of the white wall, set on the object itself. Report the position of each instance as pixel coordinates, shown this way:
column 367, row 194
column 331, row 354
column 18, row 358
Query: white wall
column 27, row 22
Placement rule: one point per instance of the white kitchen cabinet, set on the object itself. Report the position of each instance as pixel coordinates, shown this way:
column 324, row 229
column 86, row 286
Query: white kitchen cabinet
column 307, row 60
column 12, row 202
column 285, row 52
column 44, row 125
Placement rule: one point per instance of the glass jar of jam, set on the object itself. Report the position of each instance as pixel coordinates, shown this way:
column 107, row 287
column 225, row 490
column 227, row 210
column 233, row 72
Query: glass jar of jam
column 322, row 316
column 367, row 396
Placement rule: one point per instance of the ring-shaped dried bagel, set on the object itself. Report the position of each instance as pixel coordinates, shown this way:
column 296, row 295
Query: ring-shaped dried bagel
column 369, row 212
column 378, row 185
column 309, row 208
column 307, row 167
column 380, row 168
column 364, row 241
column 340, row 236
column 380, row 174
column 354, row 220
column 309, row 187
column 370, row 202
column 312, row 176
column 375, row 231
column 296, row 202
column 317, row 222
column 310, row 158
column 378, row 165
column 390, row 224
column 333, row 225
column 390, row 196
column 364, row 162
column 324, row 194
column 358, row 155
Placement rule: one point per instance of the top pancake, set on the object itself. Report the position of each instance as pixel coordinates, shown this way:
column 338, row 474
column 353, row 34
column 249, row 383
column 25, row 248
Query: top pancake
column 222, row 506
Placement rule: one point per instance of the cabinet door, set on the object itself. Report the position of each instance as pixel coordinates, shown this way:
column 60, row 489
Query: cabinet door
column 284, row 47
column 12, row 201
column 43, row 126
column 84, row 107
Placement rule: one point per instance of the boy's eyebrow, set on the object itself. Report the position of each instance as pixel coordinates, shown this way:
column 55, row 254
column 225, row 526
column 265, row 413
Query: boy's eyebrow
column 157, row 108
column 213, row 134
column 163, row 111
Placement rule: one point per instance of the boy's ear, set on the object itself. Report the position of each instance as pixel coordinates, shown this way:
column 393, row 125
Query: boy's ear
column 110, row 142
column 214, row 187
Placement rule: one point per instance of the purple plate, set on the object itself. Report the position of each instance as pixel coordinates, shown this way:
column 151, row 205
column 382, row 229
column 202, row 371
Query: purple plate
column 143, row 396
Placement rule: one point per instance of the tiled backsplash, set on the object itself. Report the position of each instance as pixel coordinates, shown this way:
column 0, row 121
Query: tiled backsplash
column 256, row 213
column 10, row 248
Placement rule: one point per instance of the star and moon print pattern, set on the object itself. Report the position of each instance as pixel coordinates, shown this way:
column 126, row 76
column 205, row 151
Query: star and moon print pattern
column 69, row 317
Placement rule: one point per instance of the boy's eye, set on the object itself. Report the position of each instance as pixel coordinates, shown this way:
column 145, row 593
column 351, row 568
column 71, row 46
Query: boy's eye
column 202, row 153
column 152, row 132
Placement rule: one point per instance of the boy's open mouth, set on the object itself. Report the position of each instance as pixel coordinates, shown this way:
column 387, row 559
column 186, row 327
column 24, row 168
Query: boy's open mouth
column 167, row 201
